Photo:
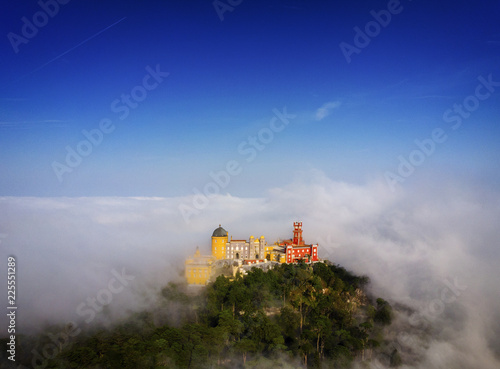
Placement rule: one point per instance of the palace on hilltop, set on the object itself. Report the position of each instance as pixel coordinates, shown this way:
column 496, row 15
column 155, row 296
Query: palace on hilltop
column 295, row 249
column 199, row 268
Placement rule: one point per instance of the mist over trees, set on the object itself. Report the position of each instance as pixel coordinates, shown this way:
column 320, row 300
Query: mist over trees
column 313, row 316
column 414, row 247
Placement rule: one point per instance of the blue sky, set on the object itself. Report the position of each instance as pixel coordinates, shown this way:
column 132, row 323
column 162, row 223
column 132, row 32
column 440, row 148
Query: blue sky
column 411, row 111
column 226, row 77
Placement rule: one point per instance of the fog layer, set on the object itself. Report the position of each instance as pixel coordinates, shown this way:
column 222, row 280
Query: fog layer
column 434, row 248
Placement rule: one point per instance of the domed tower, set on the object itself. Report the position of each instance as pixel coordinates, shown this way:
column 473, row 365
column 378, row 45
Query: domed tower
column 219, row 240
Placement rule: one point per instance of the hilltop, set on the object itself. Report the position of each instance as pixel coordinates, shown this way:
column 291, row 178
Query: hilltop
column 294, row 315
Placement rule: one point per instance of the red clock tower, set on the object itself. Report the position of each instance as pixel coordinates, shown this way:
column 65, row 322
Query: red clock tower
column 297, row 234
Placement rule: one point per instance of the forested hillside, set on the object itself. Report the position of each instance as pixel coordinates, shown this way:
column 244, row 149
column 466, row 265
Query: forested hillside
column 291, row 316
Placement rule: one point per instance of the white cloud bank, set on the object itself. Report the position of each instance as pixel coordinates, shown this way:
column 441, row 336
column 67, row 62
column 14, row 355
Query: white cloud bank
column 411, row 244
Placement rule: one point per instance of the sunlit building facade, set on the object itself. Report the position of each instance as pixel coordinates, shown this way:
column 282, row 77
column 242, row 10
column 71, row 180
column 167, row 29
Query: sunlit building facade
column 254, row 251
column 198, row 268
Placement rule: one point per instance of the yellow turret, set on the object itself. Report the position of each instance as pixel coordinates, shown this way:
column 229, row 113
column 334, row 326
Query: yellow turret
column 219, row 240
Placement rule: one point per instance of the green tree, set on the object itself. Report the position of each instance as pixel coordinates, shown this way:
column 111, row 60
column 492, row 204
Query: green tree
column 395, row 360
column 244, row 347
column 383, row 314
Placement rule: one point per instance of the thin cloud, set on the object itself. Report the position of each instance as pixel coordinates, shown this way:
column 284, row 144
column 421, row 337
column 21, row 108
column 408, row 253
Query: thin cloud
column 326, row 109
column 72, row 48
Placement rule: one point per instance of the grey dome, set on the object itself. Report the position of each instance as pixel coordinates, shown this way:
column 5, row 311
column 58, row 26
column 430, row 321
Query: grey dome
column 219, row 232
